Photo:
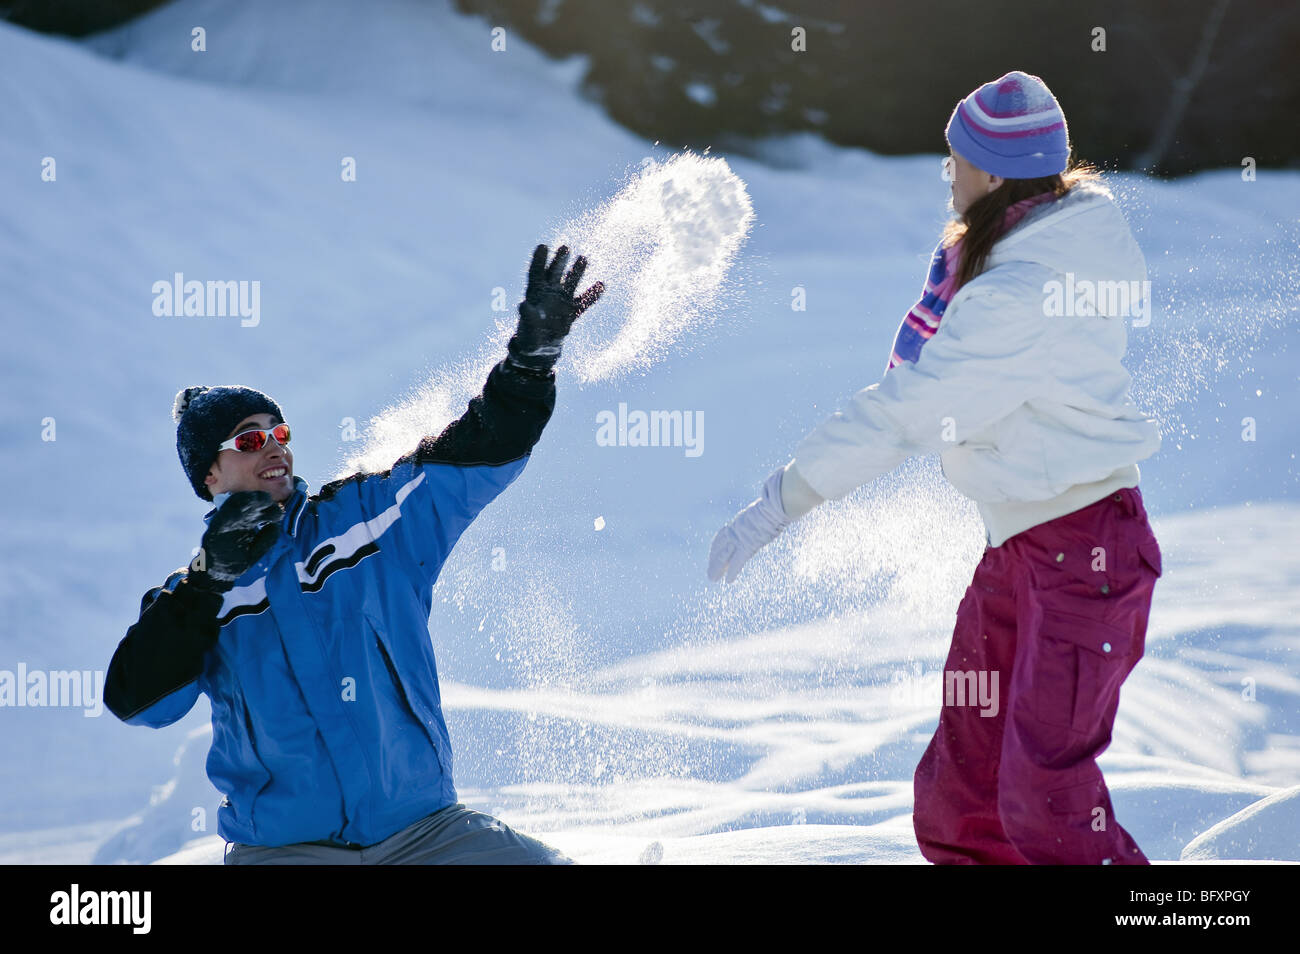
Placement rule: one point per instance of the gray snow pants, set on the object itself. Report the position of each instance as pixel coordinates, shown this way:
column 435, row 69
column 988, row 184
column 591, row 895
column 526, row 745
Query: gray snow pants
column 454, row 835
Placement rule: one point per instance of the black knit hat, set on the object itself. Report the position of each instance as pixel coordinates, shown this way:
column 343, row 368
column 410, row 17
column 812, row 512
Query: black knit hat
column 205, row 417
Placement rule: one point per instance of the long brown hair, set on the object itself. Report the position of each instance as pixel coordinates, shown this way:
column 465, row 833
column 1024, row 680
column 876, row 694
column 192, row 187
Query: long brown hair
column 981, row 225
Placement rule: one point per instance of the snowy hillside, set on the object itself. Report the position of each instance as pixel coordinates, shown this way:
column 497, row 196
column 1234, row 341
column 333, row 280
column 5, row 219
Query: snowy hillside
column 598, row 690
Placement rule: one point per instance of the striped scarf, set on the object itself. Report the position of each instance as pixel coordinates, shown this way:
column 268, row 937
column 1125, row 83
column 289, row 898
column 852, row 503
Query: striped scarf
column 922, row 320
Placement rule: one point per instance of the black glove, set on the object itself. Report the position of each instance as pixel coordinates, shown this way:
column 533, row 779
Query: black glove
column 549, row 309
column 243, row 529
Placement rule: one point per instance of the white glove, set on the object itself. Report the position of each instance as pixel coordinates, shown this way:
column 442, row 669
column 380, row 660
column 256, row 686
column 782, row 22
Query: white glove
column 749, row 531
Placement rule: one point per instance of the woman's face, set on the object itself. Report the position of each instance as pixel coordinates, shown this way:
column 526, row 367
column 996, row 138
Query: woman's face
column 968, row 182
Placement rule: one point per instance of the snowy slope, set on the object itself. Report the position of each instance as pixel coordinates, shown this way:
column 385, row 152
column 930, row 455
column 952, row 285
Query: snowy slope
column 599, row 690
column 797, row 744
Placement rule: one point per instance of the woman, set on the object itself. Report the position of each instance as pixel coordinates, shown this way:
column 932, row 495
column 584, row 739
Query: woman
column 1009, row 366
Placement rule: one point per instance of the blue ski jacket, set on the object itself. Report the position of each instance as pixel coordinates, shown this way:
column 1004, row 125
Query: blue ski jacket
column 327, row 720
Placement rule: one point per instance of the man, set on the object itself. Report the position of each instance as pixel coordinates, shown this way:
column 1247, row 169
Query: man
column 304, row 618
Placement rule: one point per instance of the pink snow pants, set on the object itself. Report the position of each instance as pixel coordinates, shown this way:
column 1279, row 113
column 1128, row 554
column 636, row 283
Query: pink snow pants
column 1051, row 625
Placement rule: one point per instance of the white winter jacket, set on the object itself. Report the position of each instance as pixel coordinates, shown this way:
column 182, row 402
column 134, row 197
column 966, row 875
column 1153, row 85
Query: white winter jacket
column 1021, row 389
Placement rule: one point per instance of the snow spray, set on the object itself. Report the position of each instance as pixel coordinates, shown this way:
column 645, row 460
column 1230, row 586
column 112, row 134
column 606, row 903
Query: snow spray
column 663, row 246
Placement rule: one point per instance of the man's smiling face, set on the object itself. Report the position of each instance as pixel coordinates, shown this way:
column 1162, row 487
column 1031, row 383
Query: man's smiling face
column 251, row 470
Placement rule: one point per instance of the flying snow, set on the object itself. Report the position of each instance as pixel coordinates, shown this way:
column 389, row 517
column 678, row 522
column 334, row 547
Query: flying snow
column 663, row 246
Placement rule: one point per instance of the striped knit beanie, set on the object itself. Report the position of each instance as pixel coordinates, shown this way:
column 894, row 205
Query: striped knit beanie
column 1012, row 127
column 205, row 417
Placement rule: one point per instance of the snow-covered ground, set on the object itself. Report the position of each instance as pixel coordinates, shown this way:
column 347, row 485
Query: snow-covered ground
column 599, row 692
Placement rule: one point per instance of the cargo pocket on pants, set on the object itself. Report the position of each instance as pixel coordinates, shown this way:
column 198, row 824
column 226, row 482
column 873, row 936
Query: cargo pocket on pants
column 1082, row 799
column 1150, row 553
column 1081, row 663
